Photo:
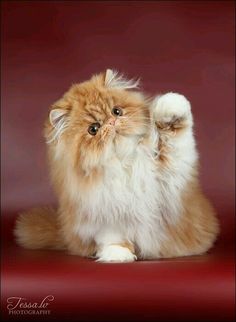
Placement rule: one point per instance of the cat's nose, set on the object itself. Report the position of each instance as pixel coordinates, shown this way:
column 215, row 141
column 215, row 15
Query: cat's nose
column 112, row 121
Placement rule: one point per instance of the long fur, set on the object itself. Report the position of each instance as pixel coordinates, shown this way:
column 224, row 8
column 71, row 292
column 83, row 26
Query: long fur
column 131, row 191
column 39, row 228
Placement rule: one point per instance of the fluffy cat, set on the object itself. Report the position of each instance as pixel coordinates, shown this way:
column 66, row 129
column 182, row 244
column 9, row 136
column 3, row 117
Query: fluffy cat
column 125, row 170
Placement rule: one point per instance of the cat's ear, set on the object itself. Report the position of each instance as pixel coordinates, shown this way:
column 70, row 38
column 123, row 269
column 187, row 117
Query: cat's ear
column 115, row 80
column 58, row 118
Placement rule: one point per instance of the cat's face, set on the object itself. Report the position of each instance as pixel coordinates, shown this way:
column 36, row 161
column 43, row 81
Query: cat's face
column 95, row 117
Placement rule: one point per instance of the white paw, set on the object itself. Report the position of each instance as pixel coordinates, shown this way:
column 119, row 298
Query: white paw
column 171, row 106
column 115, row 254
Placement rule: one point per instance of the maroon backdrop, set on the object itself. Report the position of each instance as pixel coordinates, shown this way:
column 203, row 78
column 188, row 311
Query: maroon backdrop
column 183, row 46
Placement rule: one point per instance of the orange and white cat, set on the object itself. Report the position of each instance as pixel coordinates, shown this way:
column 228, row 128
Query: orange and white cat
column 125, row 170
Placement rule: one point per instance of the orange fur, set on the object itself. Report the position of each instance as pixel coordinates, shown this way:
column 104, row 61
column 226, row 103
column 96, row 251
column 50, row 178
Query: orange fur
column 128, row 245
column 39, row 228
column 196, row 229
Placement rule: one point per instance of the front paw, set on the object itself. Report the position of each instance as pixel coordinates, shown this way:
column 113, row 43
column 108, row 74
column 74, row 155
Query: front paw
column 115, row 254
column 172, row 111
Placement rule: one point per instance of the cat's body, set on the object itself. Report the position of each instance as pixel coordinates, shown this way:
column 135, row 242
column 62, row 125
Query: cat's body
column 128, row 191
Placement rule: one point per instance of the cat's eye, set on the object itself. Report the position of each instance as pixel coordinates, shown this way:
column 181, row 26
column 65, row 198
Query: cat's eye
column 93, row 128
column 117, row 111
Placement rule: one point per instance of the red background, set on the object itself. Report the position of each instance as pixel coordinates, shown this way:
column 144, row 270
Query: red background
column 182, row 46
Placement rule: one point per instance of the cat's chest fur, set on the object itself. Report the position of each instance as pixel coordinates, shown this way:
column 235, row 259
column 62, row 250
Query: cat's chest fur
column 127, row 199
column 128, row 190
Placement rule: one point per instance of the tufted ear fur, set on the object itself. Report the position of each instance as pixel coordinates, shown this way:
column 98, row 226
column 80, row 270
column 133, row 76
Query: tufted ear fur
column 115, row 80
column 58, row 118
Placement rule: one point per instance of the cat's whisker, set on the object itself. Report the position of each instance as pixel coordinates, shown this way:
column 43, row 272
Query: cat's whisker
column 137, row 119
column 132, row 125
column 136, row 116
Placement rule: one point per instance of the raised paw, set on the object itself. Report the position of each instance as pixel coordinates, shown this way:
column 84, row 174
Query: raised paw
column 172, row 111
column 115, row 254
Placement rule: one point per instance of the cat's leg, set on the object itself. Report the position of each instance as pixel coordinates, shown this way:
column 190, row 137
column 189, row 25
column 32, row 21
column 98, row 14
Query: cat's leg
column 176, row 153
column 176, row 145
column 73, row 228
column 188, row 222
column 76, row 246
column 113, row 247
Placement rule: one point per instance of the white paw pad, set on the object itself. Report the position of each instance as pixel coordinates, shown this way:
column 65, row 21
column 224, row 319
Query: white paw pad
column 116, row 254
column 170, row 106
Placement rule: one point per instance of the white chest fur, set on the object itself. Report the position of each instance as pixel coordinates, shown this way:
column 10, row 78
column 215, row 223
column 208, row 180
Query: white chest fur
column 129, row 189
column 127, row 198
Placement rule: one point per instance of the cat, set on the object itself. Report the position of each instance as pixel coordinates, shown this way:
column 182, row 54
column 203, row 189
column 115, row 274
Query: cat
column 125, row 170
